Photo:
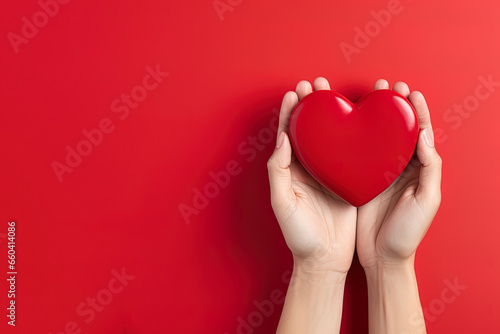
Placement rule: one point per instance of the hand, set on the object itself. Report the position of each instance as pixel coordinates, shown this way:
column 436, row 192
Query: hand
column 391, row 226
column 318, row 227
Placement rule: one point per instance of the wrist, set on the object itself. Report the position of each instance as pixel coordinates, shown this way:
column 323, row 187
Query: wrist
column 384, row 265
column 317, row 274
column 394, row 272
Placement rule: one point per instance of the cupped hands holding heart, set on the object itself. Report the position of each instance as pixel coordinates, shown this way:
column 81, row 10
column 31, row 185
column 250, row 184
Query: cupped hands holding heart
column 323, row 230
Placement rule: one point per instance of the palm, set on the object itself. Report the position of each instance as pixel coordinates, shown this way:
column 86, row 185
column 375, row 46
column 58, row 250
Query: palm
column 390, row 225
column 324, row 226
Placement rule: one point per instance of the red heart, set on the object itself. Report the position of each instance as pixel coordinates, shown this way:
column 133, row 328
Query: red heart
column 354, row 150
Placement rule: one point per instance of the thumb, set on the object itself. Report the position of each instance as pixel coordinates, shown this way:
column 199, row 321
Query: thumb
column 280, row 179
column 429, row 188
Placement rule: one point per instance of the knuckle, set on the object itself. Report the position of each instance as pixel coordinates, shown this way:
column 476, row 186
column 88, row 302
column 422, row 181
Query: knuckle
column 436, row 201
column 436, row 197
column 431, row 201
column 439, row 160
column 270, row 163
column 274, row 168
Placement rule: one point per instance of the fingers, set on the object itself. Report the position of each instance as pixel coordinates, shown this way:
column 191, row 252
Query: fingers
column 381, row 84
column 321, row 83
column 290, row 100
column 401, row 88
column 428, row 193
column 303, row 89
column 280, row 179
column 424, row 118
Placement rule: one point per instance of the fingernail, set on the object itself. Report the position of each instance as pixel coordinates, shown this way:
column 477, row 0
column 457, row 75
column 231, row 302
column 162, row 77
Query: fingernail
column 281, row 137
column 428, row 137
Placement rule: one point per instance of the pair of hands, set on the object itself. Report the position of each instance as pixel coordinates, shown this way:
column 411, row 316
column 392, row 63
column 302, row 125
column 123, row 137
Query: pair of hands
column 322, row 231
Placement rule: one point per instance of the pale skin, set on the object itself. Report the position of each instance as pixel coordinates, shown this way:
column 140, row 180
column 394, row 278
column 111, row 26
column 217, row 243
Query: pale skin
column 323, row 231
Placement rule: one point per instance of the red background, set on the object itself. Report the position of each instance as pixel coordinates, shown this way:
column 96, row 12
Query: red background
column 120, row 207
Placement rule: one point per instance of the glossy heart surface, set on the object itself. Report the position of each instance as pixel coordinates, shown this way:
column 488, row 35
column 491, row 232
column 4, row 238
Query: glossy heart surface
column 355, row 150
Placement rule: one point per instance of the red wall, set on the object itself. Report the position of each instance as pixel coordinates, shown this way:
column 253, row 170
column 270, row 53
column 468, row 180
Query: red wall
column 115, row 212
